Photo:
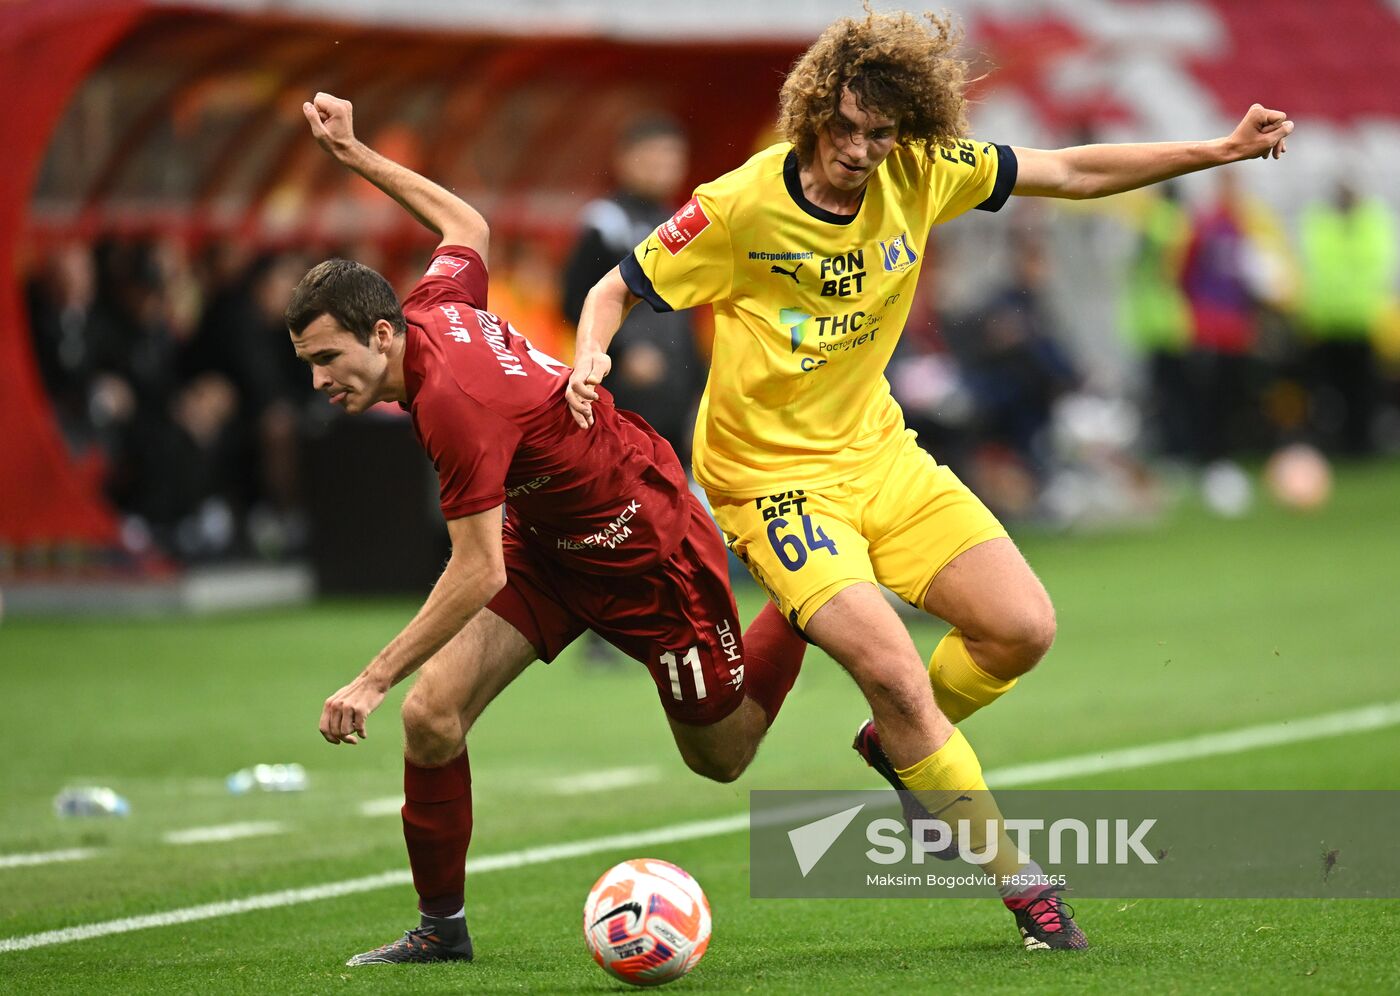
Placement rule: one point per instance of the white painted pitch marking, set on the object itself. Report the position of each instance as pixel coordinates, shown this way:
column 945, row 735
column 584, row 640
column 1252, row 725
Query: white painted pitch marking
column 389, row 805
column 289, row 897
column 46, row 857
column 1335, row 724
column 1213, row 744
column 219, row 834
column 602, row 781
column 268, row 900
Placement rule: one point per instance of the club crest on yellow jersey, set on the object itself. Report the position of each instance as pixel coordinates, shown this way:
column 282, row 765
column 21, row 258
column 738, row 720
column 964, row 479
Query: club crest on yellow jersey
column 897, row 254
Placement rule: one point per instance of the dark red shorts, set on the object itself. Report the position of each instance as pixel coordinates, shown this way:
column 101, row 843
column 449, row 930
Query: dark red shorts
column 678, row 618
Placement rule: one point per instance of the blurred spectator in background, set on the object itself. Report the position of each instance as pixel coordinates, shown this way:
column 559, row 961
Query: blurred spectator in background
column 1215, row 279
column 76, row 345
column 1021, row 368
column 925, row 377
column 1016, row 370
column 242, row 340
column 1157, row 317
column 657, row 371
column 179, row 475
column 1349, row 269
column 176, row 385
column 525, row 285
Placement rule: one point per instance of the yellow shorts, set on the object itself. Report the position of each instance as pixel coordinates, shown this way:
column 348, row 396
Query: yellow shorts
column 898, row 524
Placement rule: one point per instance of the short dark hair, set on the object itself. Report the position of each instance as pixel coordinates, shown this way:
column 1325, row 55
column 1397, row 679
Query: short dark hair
column 648, row 127
column 351, row 293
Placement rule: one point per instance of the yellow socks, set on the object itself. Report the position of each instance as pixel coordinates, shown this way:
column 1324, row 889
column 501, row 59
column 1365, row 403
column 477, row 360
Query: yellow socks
column 949, row 784
column 959, row 686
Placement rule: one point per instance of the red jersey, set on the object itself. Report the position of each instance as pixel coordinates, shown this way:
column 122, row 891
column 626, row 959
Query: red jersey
column 489, row 409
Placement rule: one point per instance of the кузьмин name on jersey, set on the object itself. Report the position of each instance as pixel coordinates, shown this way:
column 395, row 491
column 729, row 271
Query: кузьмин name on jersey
column 496, row 337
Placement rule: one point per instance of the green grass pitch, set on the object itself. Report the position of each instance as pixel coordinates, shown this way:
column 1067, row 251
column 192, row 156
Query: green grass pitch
column 1198, row 626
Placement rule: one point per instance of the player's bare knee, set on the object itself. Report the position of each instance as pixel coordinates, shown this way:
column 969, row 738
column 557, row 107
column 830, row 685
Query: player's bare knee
column 1032, row 637
column 431, row 735
column 717, row 769
column 1016, row 642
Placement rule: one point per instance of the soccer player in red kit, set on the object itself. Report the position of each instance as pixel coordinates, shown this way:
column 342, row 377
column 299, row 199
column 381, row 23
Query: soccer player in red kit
column 600, row 531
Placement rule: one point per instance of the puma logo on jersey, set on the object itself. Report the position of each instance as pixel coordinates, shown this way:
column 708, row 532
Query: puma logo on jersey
column 787, row 273
column 649, row 250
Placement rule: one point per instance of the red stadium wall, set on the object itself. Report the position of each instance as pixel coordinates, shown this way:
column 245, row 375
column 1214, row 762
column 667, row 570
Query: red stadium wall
column 50, row 47
column 46, row 49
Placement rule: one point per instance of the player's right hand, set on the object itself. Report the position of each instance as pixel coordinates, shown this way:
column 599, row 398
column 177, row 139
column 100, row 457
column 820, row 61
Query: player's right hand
column 332, row 121
column 344, row 713
column 590, row 368
column 1261, row 134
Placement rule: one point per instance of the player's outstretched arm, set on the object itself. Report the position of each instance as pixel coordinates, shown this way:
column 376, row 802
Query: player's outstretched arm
column 455, row 221
column 604, row 309
column 474, row 573
column 1099, row 170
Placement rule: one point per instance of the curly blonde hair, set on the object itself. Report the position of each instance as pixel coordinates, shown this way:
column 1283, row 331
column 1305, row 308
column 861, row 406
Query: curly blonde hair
column 895, row 64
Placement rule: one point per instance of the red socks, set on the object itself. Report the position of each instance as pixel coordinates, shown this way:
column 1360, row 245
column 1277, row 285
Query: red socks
column 437, row 826
column 772, row 657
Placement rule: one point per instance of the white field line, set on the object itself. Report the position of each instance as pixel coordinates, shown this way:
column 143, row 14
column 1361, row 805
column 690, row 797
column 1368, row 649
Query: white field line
column 389, row 805
column 1376, row 717
column 601, row 781
column 289, row 897
column 581, row 783
column 1250, row 738
column 226, row 832
column 45, row 857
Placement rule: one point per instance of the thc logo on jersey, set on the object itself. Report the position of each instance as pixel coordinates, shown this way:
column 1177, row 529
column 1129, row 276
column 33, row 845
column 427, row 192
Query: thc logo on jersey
column 684, row 227
column 897, row 254
column 796, row 323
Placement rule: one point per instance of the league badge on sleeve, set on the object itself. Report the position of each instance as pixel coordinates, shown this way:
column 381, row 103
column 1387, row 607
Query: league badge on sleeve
column 684, row 227
column 447, row 266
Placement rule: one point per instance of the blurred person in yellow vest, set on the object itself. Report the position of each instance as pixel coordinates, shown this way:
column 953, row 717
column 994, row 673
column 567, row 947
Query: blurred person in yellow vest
column 1349, row 267
column 1156, row 317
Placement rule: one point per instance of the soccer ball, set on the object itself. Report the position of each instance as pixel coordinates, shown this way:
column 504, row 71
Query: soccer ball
column 646, row 921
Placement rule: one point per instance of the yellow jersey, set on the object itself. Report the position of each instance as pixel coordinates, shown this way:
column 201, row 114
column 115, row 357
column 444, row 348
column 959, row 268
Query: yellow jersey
column 808, row 306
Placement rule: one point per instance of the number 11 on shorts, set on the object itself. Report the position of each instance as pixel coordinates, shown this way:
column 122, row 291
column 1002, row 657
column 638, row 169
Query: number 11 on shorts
column 788, row 546
column 692, row 657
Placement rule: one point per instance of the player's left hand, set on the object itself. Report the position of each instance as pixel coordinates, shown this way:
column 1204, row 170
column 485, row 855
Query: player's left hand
column 1261, row 134
column 589, row 370
column 344, row 713
column 332, row 121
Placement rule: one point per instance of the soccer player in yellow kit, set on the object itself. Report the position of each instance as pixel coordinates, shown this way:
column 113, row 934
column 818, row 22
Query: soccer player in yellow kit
column 810, row 254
